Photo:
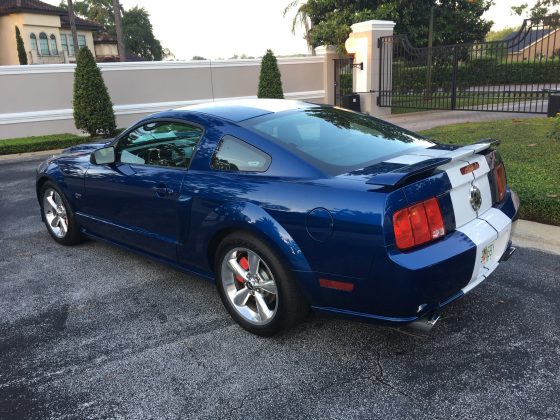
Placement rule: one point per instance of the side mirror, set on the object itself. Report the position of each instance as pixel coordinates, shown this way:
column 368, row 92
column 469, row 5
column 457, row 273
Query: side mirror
column 103, row 156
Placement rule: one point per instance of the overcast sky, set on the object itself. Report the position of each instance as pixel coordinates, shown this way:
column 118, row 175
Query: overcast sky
column 222, row 28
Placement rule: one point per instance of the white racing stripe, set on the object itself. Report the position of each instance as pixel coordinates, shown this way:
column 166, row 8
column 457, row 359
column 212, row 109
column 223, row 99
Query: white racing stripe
column 491, row 233
column 408, row 159
column 488, row 228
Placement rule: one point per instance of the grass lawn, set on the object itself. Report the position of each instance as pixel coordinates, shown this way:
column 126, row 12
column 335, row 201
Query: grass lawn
column 532, row 160
column 404, row 104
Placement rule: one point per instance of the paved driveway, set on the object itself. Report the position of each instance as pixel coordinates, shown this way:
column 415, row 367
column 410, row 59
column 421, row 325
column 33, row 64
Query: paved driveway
column 96, row 332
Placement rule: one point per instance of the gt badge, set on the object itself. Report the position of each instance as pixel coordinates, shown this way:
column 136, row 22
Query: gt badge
column 475, row 198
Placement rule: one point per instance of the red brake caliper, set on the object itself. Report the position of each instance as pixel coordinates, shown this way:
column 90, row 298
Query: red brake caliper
column 244, row 263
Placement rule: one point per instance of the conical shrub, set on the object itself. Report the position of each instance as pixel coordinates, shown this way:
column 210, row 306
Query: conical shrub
column 270, row 80
column 22, row 55
column 93, row 109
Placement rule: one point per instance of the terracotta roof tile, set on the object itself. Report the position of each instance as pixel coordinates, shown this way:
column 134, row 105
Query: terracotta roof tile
column 80, row 23
column 10, row 6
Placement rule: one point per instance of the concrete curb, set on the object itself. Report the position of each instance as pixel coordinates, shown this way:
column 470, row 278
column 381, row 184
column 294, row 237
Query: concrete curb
column 526, row 235
column 538, row 236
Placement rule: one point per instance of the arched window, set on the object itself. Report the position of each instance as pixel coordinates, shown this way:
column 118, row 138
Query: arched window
column 54, row 47
column 33, row 42
column 44, row 44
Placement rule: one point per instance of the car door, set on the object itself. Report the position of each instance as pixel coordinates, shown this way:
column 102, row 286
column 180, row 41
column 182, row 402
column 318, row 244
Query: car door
column 136, row 199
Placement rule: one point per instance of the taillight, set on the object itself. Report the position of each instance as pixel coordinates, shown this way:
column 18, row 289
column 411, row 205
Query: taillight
column 418, row 224
column 500, row 177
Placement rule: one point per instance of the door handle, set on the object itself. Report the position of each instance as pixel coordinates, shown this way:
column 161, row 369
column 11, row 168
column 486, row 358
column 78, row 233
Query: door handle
column 162, row 190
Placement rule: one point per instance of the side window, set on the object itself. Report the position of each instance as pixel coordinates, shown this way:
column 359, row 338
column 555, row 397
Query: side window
column 235, row 155
column 160, row 143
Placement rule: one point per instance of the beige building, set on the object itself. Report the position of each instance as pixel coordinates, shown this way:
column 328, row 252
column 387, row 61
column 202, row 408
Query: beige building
column 46, row 34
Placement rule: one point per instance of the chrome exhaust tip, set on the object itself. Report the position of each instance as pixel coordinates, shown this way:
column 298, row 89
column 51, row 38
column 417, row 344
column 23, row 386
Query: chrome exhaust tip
column 426, row 323
column 509, row 252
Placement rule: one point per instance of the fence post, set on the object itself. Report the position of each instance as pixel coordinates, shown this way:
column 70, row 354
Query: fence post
column 366, row 41
column 454, row 79
column 329, row 54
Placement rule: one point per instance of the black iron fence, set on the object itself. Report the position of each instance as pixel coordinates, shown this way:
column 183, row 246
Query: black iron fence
column 343, row 81
column 516, row 74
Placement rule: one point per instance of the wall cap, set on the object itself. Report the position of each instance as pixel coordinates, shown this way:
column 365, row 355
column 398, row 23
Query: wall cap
column 325, row 49
column 373, row 25
column 154, row 65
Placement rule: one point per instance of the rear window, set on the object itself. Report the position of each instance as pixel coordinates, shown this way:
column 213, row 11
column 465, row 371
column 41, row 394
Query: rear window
column 335, row 140
column 235, row 155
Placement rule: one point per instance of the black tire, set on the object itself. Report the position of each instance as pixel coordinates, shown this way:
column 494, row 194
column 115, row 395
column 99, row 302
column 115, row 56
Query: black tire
column 72, row 235
column 291, row 305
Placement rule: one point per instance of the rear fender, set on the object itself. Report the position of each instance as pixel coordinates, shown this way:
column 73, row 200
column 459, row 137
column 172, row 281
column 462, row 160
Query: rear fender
column 251, row 218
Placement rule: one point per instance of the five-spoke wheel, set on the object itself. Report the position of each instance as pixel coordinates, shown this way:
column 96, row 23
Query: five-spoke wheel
column 55, row 213
column 256, row 286
column 58, row 215
column 250, row 285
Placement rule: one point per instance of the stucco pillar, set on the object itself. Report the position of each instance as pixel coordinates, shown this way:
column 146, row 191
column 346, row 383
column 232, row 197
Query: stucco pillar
column 363, row 43
column 329, row 54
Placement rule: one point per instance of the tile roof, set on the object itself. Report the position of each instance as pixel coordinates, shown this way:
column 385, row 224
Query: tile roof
column 80, row 23
column 39, row 7
column 519, row 43
column 33, row 6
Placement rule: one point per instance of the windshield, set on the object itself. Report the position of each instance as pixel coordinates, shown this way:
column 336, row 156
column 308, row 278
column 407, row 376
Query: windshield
column 334, row 140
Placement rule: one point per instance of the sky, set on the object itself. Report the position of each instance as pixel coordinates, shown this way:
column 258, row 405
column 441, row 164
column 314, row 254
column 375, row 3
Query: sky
column 222, row 28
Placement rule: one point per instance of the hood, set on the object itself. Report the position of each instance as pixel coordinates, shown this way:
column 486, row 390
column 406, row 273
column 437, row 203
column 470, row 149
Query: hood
column 85, row 148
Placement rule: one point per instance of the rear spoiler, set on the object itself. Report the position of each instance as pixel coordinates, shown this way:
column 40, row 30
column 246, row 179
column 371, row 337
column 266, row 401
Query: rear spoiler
column 402, row 175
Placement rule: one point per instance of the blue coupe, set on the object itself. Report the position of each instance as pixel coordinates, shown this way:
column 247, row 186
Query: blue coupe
column 289, row 206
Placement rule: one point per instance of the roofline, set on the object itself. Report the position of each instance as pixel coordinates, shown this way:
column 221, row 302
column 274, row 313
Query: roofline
column 33, row 11
column 551, row 31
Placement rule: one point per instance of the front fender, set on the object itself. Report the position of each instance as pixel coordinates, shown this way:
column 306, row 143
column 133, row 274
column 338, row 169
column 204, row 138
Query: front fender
column 252, row 218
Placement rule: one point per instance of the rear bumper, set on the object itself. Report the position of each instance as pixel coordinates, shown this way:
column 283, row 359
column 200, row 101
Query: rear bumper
column 406, row 286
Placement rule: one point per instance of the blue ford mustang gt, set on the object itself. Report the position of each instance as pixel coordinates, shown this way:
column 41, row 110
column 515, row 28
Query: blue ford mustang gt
column 289, row 206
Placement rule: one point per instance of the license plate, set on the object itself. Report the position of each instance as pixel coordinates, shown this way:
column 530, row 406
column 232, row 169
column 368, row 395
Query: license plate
column 487, row 254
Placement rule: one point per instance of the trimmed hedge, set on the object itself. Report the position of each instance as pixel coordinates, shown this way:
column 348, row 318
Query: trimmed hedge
column 48, row 142
column 39, row 143
column 475, row 73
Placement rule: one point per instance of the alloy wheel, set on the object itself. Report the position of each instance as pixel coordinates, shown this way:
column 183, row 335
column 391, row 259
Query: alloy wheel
column 249, row 285
column 55, row 213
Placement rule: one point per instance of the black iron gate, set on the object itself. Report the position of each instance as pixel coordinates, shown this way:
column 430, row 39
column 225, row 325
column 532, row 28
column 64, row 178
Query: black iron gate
column 516, row 74
column 343, row 79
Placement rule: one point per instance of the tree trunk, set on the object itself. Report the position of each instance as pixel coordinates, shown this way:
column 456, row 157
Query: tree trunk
column 72, row 20
column 119, row 29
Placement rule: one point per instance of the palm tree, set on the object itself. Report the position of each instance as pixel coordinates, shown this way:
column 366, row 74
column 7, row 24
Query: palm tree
column 72, row 19
column 119, row 30
column 301, row 18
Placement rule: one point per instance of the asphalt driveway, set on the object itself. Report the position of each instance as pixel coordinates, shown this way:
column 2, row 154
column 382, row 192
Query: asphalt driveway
column 96, row 332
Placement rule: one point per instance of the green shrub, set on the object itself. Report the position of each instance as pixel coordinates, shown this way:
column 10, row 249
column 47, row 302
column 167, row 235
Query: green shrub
column 93, row 109
column 22, row 55
column 270, row 80
column 39, row 143
column 476, row 72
